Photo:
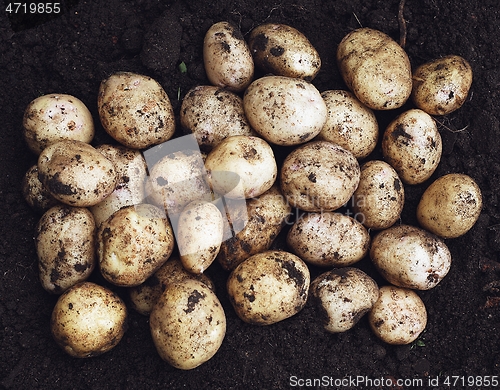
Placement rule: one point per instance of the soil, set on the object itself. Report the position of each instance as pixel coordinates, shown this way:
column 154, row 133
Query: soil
column 88, row 40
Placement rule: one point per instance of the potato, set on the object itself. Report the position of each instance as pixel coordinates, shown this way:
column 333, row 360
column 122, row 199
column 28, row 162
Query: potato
column 412, row 145
column 410, row 257
column 227, row 58
column 144, row 297
column 450, row 206
column 88, row 320
column 319, row 176
column 199, row 235
column 241, row 166
column 255, row 225
column 133, row 243
column 65, row 246
column 328, row 239
column 442, row 85
column 54, row 117
column 212, row 114
column 343, row 295
column 283, row 110
column 399, row 315
column 349, row 123
column 269, row 287
column 379, row 199
column 75, row 173
column 135, row 110
column 34, row 192
column 375, row 68
column 284, row 51
column 188, row 324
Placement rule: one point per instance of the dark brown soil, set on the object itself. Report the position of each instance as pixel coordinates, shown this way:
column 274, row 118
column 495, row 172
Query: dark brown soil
column 72, row 52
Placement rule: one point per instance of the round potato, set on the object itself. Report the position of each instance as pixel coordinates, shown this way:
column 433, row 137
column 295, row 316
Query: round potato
column 34, row 192
column 283, row 110
column 328, row 239
column 135, row 110
column 133, row 243
column 54, row 117
column 319, row 176
column 379, row 199
column 65, row 246
column 241, row 167
column 343, row 295
column 269, row 287
column 349, row 123
column 188, row 324
column 284, row 51
column 399, row 315
column 88, row 320
column 75, row 173
column 410, row 257
column 450, row 206
column 375, row 68
column 442, row 85
column 412, row 145
column 227, row 58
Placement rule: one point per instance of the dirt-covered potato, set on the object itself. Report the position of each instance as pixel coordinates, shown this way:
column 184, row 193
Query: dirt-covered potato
column 399, row 315
column 442, row 85
column 343, row 295
column 133, row 243
column 75, row 173
column 412, row 145
column 410, row 257
column 284, row 110
column 379, row 199
column 135, row 110
column 328, row 239
column 241, row 166
column 65, row 246
column 88, row 320
column 227, row 58
column 284, row 51
column 349, row 123
column 269, row 287
column 256, row 224
column 450, row 206
column 188, row 324
column 375, row 68
column 34, row 192
column 319, row 176
column 54, row 117
column 212, row 114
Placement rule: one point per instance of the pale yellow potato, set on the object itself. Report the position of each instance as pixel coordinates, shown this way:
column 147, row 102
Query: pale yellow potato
column 343, row 295
column 413, row 146
column 410, row 257
column 88, row 320
column 328, row 239
column 379, row 199
column 284, row 51
column 188, row 324
column 450, row 206
column 269, row 287
column 441, row 86
column 399, row 316
column 54, row 117
column 319, row 176
column 284, row 110
column 35, row 193
column 375, row 68
column 135, row 110
column 75, row 173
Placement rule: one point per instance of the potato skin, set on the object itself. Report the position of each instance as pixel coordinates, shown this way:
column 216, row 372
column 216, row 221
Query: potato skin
column 450, row 206
column 34, row 192
column 328, row 239
column 375, row 68
column 442, row 85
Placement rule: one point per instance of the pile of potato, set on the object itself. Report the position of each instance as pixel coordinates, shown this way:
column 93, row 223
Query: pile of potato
column 153, row 215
